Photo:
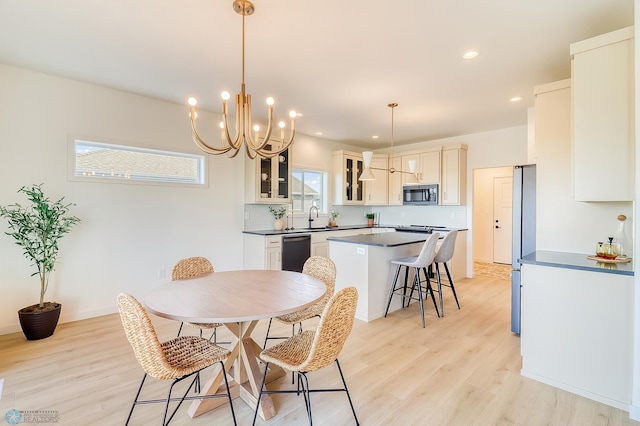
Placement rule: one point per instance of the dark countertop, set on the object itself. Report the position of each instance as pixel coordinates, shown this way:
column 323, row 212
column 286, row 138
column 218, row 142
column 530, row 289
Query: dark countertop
column 577, row 261
column 385, row 239
column 328, row 229
column 306, row 230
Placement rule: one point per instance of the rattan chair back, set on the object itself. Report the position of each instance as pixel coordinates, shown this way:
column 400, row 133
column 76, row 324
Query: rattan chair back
column 143, row 338
column 323, row 269
column 191, row 267
column 333, row 329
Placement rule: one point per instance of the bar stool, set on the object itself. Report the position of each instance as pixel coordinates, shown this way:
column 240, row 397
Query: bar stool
column 424, row 259
column 443, row 255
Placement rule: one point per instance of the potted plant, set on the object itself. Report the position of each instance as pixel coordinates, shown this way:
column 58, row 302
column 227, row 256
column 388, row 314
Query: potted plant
column 334, row 215
column 370, row 218
column 37, row 228
column 278, row 214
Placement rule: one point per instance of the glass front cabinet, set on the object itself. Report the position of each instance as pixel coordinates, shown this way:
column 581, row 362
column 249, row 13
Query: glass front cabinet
column 268, row 180
column 347, row 189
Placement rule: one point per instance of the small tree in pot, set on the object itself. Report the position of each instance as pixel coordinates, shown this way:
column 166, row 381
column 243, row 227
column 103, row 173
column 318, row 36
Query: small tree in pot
column 37, row 228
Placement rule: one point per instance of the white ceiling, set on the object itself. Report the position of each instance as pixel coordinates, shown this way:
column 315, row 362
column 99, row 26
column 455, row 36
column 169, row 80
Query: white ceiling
column 337, row 62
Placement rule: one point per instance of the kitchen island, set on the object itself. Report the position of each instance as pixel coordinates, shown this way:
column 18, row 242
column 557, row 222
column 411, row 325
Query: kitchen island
column 364, row 261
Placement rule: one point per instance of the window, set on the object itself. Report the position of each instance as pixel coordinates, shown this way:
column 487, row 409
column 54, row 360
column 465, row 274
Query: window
column 96, row 160
column 309, row 187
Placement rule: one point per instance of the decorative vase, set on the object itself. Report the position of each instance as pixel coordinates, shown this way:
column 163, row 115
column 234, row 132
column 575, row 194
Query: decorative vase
column 332, row 223
column 278, row 225
column 621, row 237
column 370, row 223
column 38, row 325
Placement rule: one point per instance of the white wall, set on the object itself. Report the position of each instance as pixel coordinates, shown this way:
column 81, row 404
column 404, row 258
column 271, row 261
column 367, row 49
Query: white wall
column 129, row 233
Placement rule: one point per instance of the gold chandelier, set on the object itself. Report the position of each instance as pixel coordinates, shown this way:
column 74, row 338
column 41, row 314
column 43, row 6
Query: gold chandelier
column 229, row 146
column 367, row 174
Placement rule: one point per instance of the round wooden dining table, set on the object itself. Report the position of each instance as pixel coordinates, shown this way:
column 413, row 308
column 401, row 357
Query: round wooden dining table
column 238, row 299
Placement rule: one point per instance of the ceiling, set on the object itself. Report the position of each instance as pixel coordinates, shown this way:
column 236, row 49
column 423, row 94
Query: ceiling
column 337, row 62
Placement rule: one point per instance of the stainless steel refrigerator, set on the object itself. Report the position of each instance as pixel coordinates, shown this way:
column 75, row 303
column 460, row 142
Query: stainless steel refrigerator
column 524, row 231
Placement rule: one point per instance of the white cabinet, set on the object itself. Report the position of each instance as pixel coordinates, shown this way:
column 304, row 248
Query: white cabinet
column 602, row 79
column 262, row 252
column 577, row 331
column 268, row 180
column 376, row 191
column 405, row 167
column 454, row 175
column 347, row 189
column 395, row 182
column 427, row 166
column 319, row 244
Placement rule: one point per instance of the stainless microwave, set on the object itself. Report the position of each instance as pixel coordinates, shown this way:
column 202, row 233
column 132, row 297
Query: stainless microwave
column 420, row 195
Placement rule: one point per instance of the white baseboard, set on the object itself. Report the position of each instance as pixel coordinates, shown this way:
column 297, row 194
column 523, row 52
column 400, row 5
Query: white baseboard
column 634, row 412
column 578, row 391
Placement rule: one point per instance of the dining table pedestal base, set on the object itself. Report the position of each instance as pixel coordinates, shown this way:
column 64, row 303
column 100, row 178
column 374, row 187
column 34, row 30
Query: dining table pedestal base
column 245, row 370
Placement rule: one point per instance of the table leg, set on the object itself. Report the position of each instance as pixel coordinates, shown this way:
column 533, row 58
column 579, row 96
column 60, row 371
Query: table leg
column 246, row 372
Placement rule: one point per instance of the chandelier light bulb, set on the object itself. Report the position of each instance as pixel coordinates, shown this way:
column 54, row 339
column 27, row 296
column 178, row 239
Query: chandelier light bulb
column 293, row 114
column 192, row 101
column 270, row 101
column 281, row 124
column 221, row 125
column 256, row 128
column 225, row 95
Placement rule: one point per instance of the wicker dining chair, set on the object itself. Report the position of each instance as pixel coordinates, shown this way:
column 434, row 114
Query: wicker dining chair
column 313, row 350
column 193, row 267
column 175, row 360
column 318, row 267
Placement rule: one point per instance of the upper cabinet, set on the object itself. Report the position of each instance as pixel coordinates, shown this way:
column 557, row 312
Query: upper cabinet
column 453, row 187
column 602, row 80
column 395, row 182
column 427, row 165
column 268, row 180
column 347, row 189
column 376, row 191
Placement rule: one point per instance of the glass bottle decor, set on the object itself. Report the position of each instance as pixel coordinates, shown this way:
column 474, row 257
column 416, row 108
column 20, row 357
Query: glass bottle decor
column 621, row 237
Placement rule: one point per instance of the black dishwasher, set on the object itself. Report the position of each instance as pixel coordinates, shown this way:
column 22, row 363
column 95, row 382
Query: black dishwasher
column 296, row 249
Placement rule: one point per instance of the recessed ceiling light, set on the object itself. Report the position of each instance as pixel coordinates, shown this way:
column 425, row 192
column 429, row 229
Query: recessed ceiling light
column 318, row 133
column 515, row 99
column 470, row 54
column 375, row 137
column 299, row 114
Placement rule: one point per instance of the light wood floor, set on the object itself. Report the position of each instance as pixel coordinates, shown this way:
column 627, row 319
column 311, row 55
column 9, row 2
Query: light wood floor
column 462, row 369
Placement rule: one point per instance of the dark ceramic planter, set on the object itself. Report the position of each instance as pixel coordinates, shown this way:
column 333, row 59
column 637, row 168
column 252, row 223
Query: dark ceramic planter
column 39, row 325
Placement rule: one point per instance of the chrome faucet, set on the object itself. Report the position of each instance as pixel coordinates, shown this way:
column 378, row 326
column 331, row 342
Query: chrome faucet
column 317, row 214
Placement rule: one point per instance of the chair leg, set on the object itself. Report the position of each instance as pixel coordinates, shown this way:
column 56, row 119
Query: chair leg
column 439, row 288
column 307, row 395
column 180, row 329
column 347, row 391
column 393, row 288
column 267, row 336
column 446, row 268
column 416, row 282
column 226, row 383
column 430, row 291
column 404, row 289
column 264, row 377
column 135, row 401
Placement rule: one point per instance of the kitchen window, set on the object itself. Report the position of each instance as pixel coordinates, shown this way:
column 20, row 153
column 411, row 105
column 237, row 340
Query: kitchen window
column 308, row 188
column 109, row 162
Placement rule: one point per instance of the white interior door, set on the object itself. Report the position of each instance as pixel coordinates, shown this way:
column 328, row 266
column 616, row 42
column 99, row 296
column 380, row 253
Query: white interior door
column 502, row 218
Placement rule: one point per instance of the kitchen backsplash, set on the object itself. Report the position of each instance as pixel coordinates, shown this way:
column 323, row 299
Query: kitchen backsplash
column 258, row 217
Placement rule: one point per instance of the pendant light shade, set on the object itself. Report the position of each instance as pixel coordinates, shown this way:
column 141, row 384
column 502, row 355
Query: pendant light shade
column 367, row 174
